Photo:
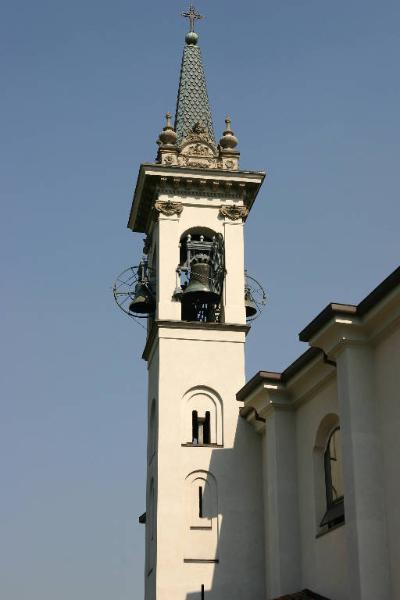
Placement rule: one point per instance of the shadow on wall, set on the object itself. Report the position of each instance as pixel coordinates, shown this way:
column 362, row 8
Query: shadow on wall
column 224, row 522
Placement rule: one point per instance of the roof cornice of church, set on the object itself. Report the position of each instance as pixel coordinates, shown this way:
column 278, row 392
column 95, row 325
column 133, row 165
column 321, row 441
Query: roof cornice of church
column 383, row 293
column 360, row 310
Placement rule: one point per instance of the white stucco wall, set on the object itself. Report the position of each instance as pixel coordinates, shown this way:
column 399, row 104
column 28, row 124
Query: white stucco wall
column 152, row 476
column 223, row 551
column 235, row 467
column 387, row 381
column 351, row 378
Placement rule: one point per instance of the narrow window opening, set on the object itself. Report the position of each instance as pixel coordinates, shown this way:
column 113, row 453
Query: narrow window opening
column 202, row 592
column 201, row 429
column 333, row 482
column 206, row 429
column 195, row 428
column 200, row 502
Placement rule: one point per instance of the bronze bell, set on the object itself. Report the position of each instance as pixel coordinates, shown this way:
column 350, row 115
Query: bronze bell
column 250, row 306
column 199, row 288
column 143, row 301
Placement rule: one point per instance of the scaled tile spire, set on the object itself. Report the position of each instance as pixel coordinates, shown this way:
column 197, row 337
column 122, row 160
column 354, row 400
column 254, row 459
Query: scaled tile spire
column 193, row 105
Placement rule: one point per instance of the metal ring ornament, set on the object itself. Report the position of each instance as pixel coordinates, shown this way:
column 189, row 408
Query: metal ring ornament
column 257, row 294
column 124, row 289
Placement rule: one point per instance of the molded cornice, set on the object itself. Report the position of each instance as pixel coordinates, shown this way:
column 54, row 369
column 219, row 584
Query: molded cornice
column 188, row 325
column 154, row 180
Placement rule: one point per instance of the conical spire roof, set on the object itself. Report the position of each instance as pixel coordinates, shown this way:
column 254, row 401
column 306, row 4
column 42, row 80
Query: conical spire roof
column 193, row 105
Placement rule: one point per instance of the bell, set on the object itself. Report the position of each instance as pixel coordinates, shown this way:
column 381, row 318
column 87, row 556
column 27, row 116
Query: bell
column 251, row 308
column 143, row 302
column 198, row 288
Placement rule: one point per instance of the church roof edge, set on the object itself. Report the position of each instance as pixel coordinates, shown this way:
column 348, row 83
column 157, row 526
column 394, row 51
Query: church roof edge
column 334, row 309
column 359, row 310
column 276, row 378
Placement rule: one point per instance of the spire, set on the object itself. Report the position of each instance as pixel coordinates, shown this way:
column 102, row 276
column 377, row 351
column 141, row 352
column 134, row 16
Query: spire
column 193, row 105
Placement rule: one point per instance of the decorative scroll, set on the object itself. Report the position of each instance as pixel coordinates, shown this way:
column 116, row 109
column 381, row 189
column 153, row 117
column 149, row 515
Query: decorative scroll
column 168, row 208
column 233, row 213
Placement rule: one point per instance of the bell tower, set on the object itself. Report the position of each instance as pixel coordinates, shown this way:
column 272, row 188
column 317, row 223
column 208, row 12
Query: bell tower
column 204, row 515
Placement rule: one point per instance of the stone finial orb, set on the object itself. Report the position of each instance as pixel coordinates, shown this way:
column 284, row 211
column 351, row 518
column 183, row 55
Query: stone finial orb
column 191, row 38
column 168, row 135
column 228, row 141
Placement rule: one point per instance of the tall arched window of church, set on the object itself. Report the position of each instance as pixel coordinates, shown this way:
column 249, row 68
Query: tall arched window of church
column 334, row 481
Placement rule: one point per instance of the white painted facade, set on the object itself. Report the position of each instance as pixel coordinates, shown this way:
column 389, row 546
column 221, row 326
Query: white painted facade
column 357, row 559
column 200, row 366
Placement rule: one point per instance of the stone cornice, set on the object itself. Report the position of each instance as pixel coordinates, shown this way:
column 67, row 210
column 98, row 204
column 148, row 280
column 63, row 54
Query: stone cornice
column 188, row 325
column 267, row 392
column 278, row 379
column 342, row 330
column 154, row 180
column 345, row 323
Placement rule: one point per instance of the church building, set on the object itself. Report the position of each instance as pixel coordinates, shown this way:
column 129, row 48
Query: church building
column 286, row 486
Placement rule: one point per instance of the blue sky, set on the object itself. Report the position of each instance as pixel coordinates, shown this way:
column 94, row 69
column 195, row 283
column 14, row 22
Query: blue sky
column 313, row 91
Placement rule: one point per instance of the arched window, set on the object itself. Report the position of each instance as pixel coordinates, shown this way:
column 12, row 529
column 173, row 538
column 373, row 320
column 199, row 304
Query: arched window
column 333, row 481
column 201, row 418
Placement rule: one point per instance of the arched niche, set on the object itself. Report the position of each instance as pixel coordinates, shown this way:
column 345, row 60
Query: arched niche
column 201, row 516
column 205, row 405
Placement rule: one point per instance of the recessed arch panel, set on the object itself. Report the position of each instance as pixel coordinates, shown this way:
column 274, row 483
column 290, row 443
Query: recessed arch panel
column 201, row 519
column 202, row 400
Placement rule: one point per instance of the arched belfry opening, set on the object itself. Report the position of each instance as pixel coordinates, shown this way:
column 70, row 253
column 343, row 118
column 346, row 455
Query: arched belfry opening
column 201, row 275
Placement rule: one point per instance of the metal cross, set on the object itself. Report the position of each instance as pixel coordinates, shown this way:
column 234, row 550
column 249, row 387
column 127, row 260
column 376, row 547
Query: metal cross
column 193, row 15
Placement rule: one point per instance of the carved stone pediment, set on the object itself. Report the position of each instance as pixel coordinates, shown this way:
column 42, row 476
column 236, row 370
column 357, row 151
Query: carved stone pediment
column 233, row 212
column 168, row 208
column 199, row 162
column 197, row 150
column 197, row 154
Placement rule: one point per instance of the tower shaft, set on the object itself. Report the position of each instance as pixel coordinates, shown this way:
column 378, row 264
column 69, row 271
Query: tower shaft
column 204, row 509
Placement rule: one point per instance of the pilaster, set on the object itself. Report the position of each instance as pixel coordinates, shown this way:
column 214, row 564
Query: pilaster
column 271, row 412
column 234, row 279
column 167, row 249
column 369, row 575
column 281, row 503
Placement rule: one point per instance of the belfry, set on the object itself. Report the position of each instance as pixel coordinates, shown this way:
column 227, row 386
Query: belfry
column 191, row 204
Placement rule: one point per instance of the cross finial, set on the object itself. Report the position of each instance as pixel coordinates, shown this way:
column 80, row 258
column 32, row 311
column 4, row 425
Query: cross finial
column 193, row 15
